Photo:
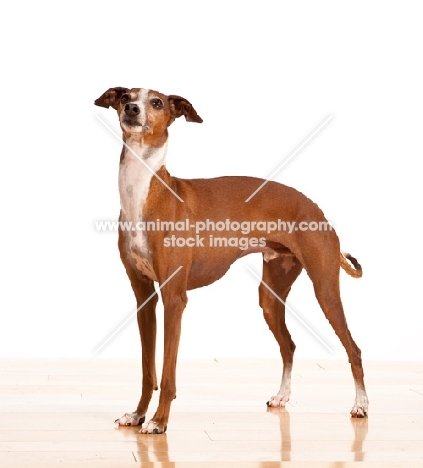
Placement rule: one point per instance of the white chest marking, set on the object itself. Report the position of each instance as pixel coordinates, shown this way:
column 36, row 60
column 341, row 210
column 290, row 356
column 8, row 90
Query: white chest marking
column 134, row 184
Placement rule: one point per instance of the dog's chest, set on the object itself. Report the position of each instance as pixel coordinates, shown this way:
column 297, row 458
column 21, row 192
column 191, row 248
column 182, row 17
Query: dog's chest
column 134, row 184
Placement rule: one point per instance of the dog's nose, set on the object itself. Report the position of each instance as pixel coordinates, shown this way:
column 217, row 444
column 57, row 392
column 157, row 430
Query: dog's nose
column 132, row 109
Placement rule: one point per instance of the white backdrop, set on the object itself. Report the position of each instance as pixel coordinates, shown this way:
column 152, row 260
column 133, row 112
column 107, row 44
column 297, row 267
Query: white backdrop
column 263, row 76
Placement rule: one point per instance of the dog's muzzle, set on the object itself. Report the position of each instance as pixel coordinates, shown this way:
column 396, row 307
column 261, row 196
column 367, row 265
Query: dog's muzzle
column 130, row 117
column 131, row 109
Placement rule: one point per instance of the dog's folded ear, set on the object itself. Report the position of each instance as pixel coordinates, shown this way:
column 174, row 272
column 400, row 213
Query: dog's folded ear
column 180, row 106
column 111, row 97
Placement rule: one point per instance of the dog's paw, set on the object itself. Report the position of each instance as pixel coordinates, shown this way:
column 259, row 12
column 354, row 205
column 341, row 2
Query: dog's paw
column 278, row 401
column 130, row 419
column 361, row 406
column 152, row 427
column 359, row 411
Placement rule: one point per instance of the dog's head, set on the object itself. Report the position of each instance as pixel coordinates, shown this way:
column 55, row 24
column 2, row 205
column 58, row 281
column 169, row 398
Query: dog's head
column 145, row 112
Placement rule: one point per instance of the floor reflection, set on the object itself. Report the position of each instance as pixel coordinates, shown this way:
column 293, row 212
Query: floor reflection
column 311, row 439
column 285, row 428
column 152, row 448
column 360, row 427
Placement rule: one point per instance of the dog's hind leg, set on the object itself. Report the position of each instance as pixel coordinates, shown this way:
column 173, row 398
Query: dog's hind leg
column 324, row 273
column 143, row 288
column 278, row 276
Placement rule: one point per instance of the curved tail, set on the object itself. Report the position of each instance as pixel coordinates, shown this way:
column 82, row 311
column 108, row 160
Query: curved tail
column 355, row 272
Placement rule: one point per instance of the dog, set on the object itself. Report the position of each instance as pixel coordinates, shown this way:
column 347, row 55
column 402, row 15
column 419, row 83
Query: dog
column 194, row 208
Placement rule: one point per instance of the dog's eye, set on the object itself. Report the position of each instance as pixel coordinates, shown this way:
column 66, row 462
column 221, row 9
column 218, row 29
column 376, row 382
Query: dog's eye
column 125, row 98
column 157, row 104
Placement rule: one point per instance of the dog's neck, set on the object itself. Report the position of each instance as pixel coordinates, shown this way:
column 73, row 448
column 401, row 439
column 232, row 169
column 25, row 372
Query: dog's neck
column 135, row 177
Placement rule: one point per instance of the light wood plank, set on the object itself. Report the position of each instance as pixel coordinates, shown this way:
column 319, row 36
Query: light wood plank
column 62, row 411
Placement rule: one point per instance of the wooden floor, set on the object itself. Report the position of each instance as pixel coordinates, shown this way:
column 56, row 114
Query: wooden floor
column 60, row 413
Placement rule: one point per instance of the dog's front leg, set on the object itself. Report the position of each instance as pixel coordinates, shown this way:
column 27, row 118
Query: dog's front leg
column 143, row 289
column 146, row 316
column 174, row 301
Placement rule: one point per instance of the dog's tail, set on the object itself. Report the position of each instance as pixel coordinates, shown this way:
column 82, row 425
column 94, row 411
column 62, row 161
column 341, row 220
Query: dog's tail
column 355, row 272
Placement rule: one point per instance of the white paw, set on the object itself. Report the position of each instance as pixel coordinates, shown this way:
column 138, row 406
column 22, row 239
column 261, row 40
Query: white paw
column 130, row 419
column 360, row 407
column 359, row 411
column 278, row 401
column 152, row 427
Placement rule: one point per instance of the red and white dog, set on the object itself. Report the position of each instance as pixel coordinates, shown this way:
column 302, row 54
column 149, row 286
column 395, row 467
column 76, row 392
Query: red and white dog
column 148, row 193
